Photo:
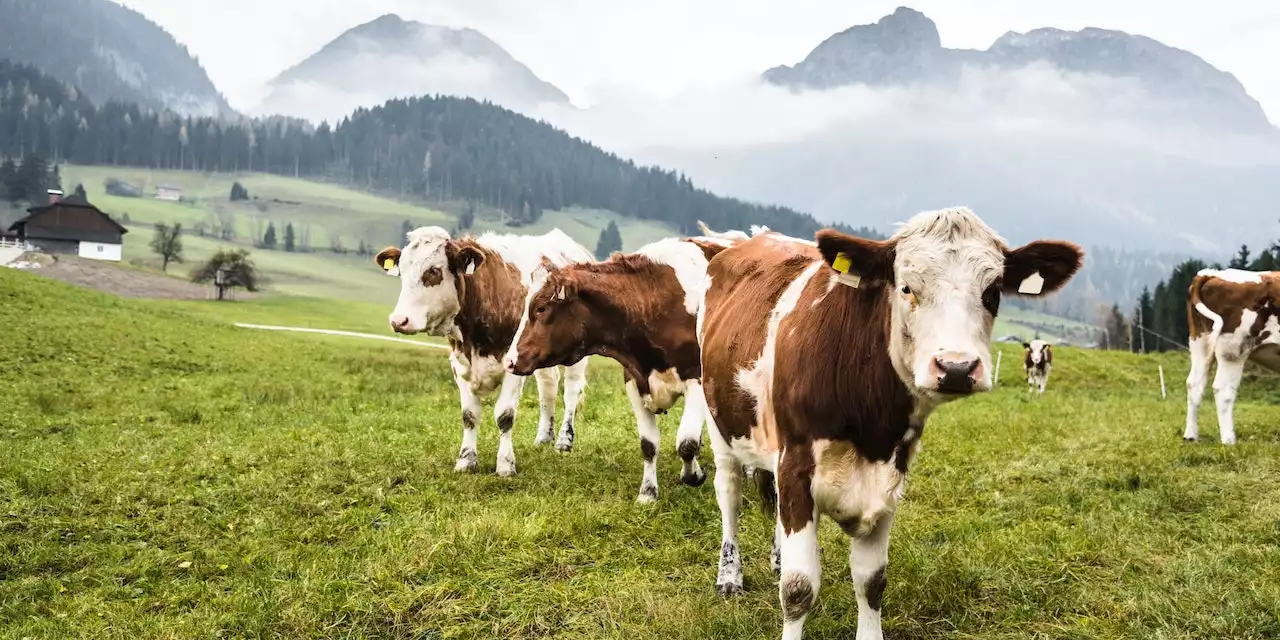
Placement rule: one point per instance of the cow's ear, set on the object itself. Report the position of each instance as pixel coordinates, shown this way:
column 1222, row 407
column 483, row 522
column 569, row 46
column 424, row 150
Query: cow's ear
column 709, row 249
column 389, row 260
column 857, row 260
column 1040, row 267
column 463, row 259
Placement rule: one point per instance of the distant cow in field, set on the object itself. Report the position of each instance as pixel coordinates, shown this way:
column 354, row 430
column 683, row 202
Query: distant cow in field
column 821, row 364
column 1233, row 316
column 472, row 291
column 1038, row 363
column 639, row 309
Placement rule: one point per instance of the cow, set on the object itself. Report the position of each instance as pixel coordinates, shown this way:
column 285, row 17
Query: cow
column 820, row 366
column 640, row 310
column 1038, row 363
column 1233, row 316
column 471, row 290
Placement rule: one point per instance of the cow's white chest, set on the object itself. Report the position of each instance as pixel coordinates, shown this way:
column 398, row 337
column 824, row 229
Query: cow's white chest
column 665, row 387
column 483, row 375
column 853, row 490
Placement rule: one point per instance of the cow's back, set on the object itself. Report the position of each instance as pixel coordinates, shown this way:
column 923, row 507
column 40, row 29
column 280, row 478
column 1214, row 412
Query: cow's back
column 746, row 282
column 1227, row 294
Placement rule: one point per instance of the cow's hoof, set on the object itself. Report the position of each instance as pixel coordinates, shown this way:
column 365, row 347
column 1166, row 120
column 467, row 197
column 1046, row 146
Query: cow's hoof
column 506, row 468
column 1228, row 441
column 728, row 589
column 542, row 440
column 648, row 495
column 1186, row 439
column 466, row 462
column 695, row 479
column 564, row 447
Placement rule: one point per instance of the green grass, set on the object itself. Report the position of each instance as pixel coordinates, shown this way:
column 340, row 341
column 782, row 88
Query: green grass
column 166, row 475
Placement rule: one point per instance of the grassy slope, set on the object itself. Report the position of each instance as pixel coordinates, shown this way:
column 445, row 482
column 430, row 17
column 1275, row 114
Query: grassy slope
column 308, row 483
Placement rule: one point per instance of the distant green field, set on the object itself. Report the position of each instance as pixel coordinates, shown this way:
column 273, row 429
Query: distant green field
column 166, row 475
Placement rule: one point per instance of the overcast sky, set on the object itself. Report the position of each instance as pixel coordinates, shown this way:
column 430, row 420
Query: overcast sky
column 591, row 48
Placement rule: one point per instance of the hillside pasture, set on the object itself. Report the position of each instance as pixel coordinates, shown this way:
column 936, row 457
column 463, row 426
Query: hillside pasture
column 167, row 475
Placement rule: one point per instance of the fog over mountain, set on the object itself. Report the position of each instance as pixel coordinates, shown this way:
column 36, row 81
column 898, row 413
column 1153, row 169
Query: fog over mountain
column 1098, row 136
column 393, row 58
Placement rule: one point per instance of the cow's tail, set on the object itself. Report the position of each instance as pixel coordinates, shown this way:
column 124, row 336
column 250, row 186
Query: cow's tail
column 768, row 493
column 706, row 231
column 1198, row 312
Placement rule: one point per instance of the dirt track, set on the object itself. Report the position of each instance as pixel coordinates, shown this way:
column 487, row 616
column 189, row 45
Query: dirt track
column 125, row 281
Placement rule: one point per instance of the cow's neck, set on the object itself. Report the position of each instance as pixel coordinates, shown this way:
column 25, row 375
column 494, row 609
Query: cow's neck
column 866, row 401
column 642, row 325
column 490, row 303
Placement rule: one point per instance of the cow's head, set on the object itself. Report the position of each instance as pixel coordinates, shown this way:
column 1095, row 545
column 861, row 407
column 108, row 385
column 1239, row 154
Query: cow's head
column 1037, row 351
column 944, row 273
column 554, row 325
column 432, row 268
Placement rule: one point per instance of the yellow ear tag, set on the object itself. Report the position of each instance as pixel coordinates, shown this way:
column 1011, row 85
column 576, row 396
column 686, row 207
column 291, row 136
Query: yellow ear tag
column 388, row 263
column 841, row 264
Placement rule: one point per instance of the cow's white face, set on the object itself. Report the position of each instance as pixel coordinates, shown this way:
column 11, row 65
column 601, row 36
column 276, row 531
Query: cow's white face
column 428, row 268
column 944, row 273
column 1036, row 350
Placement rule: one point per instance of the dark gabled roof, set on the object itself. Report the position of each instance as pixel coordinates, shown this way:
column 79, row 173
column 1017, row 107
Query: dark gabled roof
column 73, row 200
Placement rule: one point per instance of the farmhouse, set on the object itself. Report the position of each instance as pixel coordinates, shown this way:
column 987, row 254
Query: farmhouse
column 168, row 192
column 71, row 225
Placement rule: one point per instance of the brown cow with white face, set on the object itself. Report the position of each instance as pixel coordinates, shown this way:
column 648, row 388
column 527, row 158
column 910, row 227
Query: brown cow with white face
column 822, row 364
column 1234, row 316
column 1038, row 362
column 471, row 291
column 639, row 309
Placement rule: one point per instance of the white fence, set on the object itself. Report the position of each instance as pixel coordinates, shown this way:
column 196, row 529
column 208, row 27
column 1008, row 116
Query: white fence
column 14, row 243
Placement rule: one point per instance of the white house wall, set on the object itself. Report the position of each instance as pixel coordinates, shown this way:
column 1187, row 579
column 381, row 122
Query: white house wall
column 100, row 251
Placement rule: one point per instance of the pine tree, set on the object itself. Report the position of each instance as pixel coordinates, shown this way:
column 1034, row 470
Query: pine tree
column 405, row 228
column 9, row 188
column 55, row 179
column 269, row 238
column 1241, row 261
column 610, row 241
column 289, row 239
column 1266, row 261
column 80, row 192
column 1144, row 316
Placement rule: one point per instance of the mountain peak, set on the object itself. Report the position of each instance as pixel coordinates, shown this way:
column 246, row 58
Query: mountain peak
column 390, row 57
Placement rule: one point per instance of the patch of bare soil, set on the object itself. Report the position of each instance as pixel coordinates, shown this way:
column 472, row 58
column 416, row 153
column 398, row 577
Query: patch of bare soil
column 123, row 281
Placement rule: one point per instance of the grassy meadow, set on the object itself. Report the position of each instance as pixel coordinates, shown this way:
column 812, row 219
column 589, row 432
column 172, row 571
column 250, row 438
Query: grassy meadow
column 164, row 474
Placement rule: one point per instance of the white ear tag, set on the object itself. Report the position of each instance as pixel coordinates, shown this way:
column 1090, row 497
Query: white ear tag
column 471, row 267
column 1033, row 285
column 560, row 294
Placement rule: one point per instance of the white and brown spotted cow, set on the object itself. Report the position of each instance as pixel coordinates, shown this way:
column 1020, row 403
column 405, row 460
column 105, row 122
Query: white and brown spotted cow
column 472, row 291
column 821, row 364
column 1233, row 316
column 1037, row 364
column 639, row 309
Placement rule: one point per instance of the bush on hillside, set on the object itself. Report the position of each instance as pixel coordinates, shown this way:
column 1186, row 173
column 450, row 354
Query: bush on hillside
column 118, row 187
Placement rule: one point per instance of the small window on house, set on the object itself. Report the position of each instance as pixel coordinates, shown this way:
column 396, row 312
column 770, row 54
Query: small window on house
column 99, row 248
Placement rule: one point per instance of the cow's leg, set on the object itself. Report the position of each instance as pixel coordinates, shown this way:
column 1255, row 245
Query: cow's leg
column 504, row 411
column 1225, row 383
column 575, row 384
column 728, row 483
column 868, row 558
column 1044, row 381
column 1201, row 354
column 647, row 425
column 801, row 574
column 471, row 411
column 1031, row 380
column 548, row 384
column 775, row 558
column 689, row 435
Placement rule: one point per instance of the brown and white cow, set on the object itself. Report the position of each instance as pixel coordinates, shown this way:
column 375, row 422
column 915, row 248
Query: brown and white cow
column 639, row 309
column 821, row 364
column 472, row 291
column 1233, row 316
column 1038, row 363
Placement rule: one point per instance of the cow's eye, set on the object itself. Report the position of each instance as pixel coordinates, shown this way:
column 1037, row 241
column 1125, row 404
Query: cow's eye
column 906, row 291
column 991, row 299
column 541, row 310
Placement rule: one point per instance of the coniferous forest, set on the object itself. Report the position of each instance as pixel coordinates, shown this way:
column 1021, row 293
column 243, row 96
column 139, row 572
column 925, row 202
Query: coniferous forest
column 430, row 148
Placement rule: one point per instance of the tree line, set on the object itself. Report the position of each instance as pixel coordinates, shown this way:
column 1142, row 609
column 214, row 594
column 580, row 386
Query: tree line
column 437, row 149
